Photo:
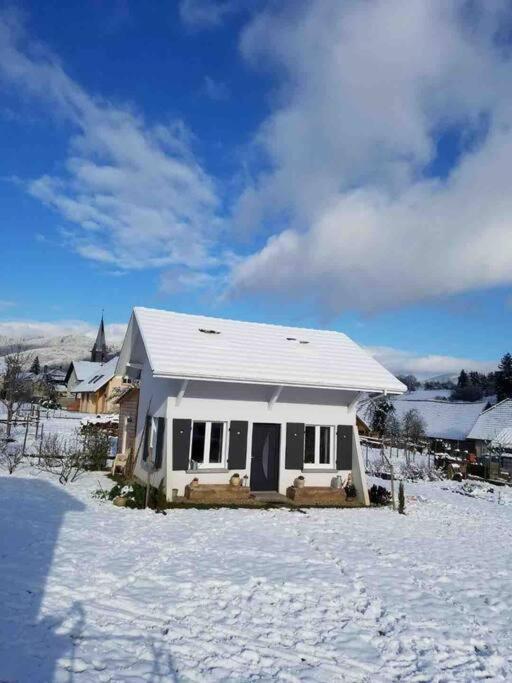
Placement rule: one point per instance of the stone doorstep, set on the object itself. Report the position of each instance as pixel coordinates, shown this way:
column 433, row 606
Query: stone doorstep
column 225, row 494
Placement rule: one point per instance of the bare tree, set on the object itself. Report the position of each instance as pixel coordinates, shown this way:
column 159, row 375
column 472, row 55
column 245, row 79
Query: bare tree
column 16, row 386
column 393, row 431
column 413, row 429
column 11, row 454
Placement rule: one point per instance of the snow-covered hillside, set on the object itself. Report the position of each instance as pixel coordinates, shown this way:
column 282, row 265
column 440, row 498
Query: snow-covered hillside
column 54, row 351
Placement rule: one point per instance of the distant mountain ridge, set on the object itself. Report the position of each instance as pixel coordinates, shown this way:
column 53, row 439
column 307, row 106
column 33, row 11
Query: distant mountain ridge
column 53, row 351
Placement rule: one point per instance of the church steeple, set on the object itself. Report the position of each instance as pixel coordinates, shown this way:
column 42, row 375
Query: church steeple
column 99, row 350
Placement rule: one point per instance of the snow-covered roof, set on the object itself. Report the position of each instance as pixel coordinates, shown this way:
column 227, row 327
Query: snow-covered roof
column 443, row 419
column 492, row 421
column 199, row 347
column 503, row 438
column 85, row 369
column 102, row 374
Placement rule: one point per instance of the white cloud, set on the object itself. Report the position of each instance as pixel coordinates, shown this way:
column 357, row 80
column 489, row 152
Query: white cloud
column 135, row 193
column 365, row 90
column 205, row 14
column 32, row 329
column 215, row 90
column 408, row 362
column 5, row 304
column 182, row 279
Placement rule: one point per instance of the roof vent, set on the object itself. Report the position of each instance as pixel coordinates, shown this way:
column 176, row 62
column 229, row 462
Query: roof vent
column 205, row 331
column 301, row 341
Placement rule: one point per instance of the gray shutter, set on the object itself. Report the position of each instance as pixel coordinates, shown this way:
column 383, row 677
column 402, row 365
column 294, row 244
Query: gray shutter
column 344, row 447
column 159, row 451
column 147, row 432
column 237, row 454
column 181, row 444
column 294, row 459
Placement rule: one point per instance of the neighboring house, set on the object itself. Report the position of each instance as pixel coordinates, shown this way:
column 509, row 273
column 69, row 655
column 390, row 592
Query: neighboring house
column 96, row 394
column 491, row 423
column 445, row 421
column 78, row 371
column 269, row 402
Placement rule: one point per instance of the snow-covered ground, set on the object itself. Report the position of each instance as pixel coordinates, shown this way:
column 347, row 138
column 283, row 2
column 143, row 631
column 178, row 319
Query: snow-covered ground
column 59, row 422
column 91, row 592
column 412, row 467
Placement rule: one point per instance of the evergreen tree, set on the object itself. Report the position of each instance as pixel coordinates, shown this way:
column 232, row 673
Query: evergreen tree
column 463, row 380
column 410, row 381
column 379, row 410
column 504, row 378
column 35, row 368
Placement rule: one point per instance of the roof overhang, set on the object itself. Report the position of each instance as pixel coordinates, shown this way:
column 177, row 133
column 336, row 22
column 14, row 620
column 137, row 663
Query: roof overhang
column 273, row 382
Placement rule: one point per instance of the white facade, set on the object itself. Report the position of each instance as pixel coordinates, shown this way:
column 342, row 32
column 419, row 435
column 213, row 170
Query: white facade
column 224, row 401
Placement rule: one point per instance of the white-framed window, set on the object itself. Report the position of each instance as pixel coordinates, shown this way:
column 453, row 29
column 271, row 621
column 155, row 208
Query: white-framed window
column 319, row 446
column 208, row 444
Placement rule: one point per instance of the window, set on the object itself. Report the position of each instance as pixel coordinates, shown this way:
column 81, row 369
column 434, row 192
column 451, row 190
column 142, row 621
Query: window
column 319, row 446
column 208, row 444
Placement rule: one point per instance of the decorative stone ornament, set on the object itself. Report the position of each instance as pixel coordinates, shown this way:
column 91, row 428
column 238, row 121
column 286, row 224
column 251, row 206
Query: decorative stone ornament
column 299, row 482
column 120, row 501
column 194, row 483
column 235, row 479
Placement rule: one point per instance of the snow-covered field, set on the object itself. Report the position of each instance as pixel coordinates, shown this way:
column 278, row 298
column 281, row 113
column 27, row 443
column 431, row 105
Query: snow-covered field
column 91, row 592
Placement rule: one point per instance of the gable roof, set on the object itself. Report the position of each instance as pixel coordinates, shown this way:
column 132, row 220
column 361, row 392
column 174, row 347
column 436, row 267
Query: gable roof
column 443, row 419
column 83, row 369
column 101, row 375
column 492, row 421
column 200, row 347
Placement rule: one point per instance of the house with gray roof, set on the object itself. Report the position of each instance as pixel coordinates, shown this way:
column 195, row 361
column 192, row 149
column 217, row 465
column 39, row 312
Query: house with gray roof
column 495, row 421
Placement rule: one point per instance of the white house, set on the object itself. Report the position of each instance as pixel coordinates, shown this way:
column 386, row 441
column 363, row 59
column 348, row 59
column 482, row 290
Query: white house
column 270, row 402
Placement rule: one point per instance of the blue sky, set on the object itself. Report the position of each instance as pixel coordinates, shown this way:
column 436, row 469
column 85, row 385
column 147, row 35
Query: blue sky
column 334, row 164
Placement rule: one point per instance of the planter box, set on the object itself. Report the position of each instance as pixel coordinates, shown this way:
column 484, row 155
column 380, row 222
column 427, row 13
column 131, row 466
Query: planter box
column 217, row 493
column 319, row 495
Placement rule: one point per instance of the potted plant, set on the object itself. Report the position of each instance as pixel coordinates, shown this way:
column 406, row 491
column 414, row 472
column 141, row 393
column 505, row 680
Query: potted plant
column 299, row 482
column 235, row 479
column 194, row 482
column 350, row 490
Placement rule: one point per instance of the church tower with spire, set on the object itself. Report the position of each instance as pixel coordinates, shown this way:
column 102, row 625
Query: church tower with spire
column 99, row 351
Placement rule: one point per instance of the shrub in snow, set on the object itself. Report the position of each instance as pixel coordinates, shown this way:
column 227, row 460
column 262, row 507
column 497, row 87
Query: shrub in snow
column 68, row 457
column 350, row 490
column 63, row 457
column 134, row 495
column 11, row 454
column 379, row 495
